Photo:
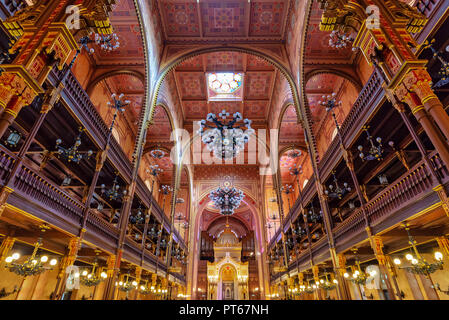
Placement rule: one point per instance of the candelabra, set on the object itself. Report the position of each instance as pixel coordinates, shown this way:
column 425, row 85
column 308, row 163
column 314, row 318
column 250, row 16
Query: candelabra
column 330, row 102
column 225, row 139
column 72, row 154
column 299, row 232
column 312, row 216
column 154, row 170
column 338, row 40
column 157, row 153
column 145, row 289
column 138, row 218
column 106, row 42
column 287, row 189
column 32, row 266
column 419, row 265
column 92, row 278
column 126, row 284
column 114, row 193
column 443, row 73
column 326, row 284
column 358, row 276
column 337, row 192
column 374, row 152
column 119, row 105
column 226, row 199
column 166, row 189
column 153, row 233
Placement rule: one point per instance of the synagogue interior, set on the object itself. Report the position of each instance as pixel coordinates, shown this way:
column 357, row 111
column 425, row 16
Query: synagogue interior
column 224, row 150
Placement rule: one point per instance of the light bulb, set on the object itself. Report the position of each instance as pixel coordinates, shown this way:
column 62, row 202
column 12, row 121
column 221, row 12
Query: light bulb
column 414, row 261
column 438, row 256
column 397, row 261
column 134, row 283
column 34, row 261
column 335, row 281
column 8, row 260
column 84, row 273
column 120, row 283
column 104, row 275
column 76, row 275
column 15, row 256
column 53, row 262
column 44, row 259
column 408, row 256
column 89, row 276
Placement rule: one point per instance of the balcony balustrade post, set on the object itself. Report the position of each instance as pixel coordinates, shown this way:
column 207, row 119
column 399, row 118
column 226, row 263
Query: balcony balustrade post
column 67, row 261
column 426, row 122
column 100, row 160
column 377, row 246
column 277, row 189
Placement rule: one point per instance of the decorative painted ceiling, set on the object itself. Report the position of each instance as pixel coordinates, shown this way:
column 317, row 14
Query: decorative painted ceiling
column 317, row 49
column 212, row 20
column 258, row 82
column 126, row 25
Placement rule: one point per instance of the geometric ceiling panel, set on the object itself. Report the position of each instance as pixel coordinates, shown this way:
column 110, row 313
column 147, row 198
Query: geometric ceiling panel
column 181, row 19
column 256, row 63
column 267, row 18
column 224, row 61
column 258, row 85
column 195, row 110
column 192, row 85
column 231, row 107
column 255, row 109
column 223, row 18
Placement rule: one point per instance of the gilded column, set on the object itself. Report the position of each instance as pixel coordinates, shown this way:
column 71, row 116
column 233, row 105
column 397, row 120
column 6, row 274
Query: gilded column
column 377, row 246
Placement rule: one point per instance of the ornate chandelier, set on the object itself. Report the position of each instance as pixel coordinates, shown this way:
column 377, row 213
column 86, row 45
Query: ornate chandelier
column 374, row 152
column 225, row 138
column 126, row 284
column 72, row 154
column 157, row 153
column 226, row 199
column 106, row 42
column 419, row 265
column 338, row 40
column 32, row 266
column 336, row 191
column 114, row 193
column 91, row 279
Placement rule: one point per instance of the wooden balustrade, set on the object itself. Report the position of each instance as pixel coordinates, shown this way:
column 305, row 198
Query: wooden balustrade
column 31, row 185
column 80, row 104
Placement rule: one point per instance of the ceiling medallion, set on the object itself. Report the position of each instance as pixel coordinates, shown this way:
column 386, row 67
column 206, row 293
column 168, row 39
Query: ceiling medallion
column 225, row 138
column 226, row 199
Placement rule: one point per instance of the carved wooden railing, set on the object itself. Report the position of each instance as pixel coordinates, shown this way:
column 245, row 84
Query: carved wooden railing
column 6, row 161
column 37, row 188
column 320, row 246
column 81, row 105
column 99, row 226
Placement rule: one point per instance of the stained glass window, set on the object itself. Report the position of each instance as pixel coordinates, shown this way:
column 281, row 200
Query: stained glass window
column 224, row 85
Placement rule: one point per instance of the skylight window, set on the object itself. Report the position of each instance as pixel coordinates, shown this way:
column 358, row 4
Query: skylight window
column 224, row 86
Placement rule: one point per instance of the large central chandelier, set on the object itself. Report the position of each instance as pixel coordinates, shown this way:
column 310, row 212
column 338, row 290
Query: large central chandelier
column 225, row 138
column 226, row 199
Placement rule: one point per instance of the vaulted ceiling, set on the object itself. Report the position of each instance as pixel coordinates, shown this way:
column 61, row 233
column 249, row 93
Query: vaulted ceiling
column 217, row 21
